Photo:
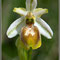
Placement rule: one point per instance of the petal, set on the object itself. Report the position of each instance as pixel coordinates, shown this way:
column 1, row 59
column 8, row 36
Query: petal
column 38, row 44
column 39, row 11
column 21, row 11
column 14, row 28
column 31, row 4
column 44, row 28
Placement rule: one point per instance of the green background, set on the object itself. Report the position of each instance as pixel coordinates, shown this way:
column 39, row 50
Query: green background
column 49, row 48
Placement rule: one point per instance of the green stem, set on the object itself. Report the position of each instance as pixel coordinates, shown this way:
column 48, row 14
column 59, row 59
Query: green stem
column 30, row 54
column 24, row 54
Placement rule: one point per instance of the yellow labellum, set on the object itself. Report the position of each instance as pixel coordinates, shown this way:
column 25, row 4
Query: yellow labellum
column 30, row 37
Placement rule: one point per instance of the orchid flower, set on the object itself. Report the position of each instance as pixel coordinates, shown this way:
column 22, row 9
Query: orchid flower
column 36, row 13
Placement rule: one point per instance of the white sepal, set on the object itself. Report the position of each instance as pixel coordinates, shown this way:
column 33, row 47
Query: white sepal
column 44, row 28
column 34, row 4
column 28, row 5
column 31, row 4
column 14, row 29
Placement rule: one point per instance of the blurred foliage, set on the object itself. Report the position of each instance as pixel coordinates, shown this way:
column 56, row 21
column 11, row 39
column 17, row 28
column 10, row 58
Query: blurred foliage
column 49, row 48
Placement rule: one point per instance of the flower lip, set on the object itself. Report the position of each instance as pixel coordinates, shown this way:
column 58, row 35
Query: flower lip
column 30, row 36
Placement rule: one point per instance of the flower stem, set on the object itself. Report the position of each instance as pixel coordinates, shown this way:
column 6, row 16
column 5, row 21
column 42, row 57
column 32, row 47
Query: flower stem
column 24, row 54
column 30, row 54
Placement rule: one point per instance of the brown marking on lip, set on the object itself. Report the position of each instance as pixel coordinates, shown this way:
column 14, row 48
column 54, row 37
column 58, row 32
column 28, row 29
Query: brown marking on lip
column 30, row 40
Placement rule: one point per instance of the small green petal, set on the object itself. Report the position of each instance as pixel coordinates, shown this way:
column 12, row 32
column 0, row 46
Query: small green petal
column 39, row 12
column 21, row 11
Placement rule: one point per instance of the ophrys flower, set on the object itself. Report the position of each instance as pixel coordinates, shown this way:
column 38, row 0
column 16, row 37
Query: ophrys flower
column 30, row 26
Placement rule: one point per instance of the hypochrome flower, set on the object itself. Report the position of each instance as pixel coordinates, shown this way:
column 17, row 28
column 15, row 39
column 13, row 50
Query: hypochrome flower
column 30, row 26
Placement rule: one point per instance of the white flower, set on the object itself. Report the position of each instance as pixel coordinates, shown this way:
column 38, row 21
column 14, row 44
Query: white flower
column 44, row 28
